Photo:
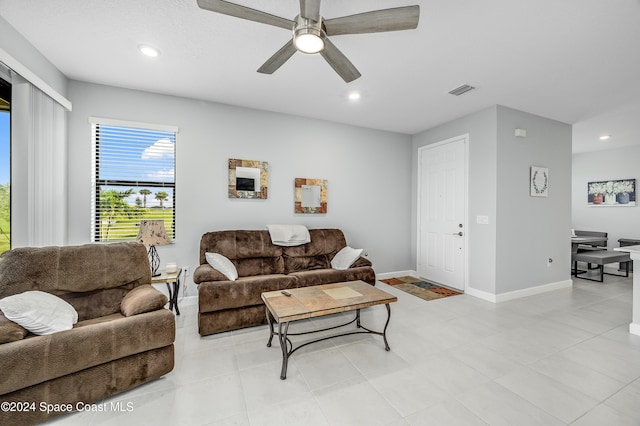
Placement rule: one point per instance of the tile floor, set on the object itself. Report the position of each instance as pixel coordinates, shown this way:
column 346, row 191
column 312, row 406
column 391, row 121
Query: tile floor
column 563, row 357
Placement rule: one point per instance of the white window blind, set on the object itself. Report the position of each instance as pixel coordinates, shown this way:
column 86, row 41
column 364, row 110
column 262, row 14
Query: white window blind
column 133, row 178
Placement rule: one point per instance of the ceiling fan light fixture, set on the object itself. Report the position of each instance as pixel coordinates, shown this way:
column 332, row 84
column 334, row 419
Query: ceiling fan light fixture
column 308, row 36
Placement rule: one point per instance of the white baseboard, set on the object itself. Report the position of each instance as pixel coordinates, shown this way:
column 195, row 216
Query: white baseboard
column 387, row 275
column 634, row 329
column 484, row 295
column 517, row 294
column 503, row 297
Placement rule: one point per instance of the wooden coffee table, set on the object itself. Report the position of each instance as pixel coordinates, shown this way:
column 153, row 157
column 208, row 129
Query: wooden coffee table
column 317, row 301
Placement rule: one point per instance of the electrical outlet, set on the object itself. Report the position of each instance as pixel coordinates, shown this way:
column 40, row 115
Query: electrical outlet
column 185, row 271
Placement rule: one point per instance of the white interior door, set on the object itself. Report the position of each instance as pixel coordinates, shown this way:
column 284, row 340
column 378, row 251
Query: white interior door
column 441, row 216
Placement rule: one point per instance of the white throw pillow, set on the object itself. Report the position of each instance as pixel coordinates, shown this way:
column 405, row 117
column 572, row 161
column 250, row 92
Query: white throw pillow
column 222, row 264
column 39, row 312
column 345, row 258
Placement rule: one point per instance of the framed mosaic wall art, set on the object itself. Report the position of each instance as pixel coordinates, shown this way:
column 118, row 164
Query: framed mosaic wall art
column 310, row 195
column 248, row 178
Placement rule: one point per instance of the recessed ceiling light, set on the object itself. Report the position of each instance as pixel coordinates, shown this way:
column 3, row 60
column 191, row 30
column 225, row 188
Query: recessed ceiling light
column 605, row 137
column 354, row 96
column 147, row 50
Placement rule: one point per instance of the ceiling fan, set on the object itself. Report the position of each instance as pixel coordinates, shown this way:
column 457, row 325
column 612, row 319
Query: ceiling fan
column 311, row 31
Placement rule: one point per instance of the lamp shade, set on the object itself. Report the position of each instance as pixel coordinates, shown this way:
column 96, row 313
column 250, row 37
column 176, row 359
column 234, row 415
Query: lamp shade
column 152, row 233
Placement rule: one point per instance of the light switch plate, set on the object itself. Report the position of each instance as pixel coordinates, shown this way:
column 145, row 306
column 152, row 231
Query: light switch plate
column 482, row 220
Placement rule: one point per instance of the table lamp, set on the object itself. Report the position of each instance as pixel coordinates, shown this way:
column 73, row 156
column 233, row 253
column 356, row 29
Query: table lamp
column 152, row 234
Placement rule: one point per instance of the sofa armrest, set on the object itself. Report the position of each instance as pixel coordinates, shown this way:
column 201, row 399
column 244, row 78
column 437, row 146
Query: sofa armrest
column 205, row 272
column 360, row 262
column 10, row 331
column 142, row 299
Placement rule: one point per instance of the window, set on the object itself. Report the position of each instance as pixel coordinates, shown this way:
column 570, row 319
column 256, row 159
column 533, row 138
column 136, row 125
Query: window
column 134, row 178
column 5, row 164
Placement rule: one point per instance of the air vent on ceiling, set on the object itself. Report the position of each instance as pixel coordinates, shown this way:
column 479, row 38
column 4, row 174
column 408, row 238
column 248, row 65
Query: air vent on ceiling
column 461, row 90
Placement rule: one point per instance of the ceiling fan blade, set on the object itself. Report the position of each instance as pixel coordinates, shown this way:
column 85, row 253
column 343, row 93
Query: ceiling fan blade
column 339, row 62
column 310, row 9
column 243, row 12
column 395, row 19
column 279, row 58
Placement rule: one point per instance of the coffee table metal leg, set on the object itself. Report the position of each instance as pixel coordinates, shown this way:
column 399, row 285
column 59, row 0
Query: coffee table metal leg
column 384, row 332
column 282, row 334
column 358, row 318
column 270, row 321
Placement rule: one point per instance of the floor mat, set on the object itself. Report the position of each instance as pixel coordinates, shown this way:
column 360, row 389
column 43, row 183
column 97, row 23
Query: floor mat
column 420, row 288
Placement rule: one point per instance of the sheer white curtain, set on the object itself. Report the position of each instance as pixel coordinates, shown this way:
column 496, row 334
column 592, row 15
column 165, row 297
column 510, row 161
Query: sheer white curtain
column 39, row 142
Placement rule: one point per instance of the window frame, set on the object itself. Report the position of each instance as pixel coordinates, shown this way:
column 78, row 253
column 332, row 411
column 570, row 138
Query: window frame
column 97, row 182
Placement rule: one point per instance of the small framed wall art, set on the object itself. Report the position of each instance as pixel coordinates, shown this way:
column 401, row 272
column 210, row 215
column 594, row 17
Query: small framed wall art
column 310, row 195
column 248, row 178
column 539, row 181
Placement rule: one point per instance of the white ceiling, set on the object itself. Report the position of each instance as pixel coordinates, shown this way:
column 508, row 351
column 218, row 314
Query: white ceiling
column 576, row 61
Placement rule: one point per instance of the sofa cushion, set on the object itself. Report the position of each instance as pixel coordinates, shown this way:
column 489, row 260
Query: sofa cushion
column 10, row 331
column 73, row 268
column 96, row 304
column 323, row 241
column 222, row 264
column 306, row 263
column 39, row 312
column 238, row 245
column 245, row 291
column 142, row 299
column 328, row 276
column 260, row 266
column 317, row 254
column 251, row 252
column 37, row 359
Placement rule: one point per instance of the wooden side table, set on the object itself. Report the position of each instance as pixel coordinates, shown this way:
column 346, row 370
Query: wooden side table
column 170, row 278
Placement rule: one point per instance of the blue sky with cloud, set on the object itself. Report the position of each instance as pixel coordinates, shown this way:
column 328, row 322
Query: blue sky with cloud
column 5, row 156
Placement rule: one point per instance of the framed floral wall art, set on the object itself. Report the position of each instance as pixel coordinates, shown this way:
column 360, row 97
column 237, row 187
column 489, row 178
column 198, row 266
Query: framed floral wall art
column 621, row 193
column 539, row 181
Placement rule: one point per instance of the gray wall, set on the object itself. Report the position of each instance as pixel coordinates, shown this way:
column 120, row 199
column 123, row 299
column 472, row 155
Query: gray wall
column 532, row 229
column 613, row 164
column 509, row 253
column 367, row 170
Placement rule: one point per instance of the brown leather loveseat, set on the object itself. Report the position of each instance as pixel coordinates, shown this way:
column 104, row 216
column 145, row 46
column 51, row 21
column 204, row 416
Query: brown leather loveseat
column 123, row 338
column 225, row 305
